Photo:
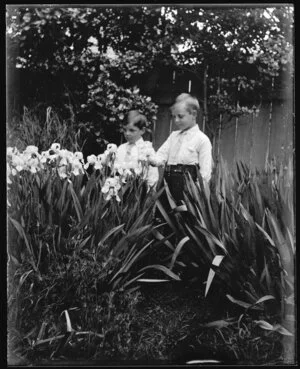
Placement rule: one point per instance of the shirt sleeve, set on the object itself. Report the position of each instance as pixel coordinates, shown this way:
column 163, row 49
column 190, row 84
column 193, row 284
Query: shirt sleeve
column 205, row 159
column 162, row 154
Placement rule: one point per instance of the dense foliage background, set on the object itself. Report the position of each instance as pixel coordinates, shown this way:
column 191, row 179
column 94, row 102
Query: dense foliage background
column 92, row 63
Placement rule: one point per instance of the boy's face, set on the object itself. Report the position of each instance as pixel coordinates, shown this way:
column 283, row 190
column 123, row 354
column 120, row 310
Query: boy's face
column 182, row 118
column 132, row 133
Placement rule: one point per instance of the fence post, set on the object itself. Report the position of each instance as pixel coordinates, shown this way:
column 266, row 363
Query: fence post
column 173, row 89
column 204, row 98
column 219, row 133
column 269, row 125
column 251, row 143
column 236, row 126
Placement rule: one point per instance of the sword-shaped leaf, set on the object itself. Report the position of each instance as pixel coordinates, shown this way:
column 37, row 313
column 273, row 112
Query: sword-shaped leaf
column 169, row 196
column 216, row 261
column 265, row 235
column 222, row 323
column 149, row 280
column 165, row 215
column 160, row 237
column 245, row 305
column 76, row 202
column 178, row 249
column 163, row 269
column 209, row 235
column 281, row 244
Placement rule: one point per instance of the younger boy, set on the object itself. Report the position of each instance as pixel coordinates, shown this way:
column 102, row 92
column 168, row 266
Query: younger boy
column 130, row 154
column 185, row 150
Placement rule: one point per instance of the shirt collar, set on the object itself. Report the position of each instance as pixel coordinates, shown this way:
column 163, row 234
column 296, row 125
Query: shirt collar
column 189, row 130
column 138, row 142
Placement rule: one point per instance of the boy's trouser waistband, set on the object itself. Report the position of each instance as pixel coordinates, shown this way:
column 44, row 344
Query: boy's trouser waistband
column 181, row 168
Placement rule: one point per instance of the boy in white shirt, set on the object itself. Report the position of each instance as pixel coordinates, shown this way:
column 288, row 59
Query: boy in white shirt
column 135, row 151
column 185, row 150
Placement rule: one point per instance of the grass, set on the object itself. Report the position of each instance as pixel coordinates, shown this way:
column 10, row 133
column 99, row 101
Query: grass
column 171, row 323
column 165, row 323
column 40, row 126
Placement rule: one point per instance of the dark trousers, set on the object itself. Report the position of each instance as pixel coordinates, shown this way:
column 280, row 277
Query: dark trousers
column 176, row 184
column 175, row 178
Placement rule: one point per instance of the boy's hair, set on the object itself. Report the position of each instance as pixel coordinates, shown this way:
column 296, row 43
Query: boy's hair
column 191, row 102
column 137, row 119
column 182, row 96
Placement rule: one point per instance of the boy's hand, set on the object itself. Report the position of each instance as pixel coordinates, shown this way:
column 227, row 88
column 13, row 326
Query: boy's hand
column 151, row 160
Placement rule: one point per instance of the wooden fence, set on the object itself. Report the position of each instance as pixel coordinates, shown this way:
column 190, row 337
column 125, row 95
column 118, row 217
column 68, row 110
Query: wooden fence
column 252, row 139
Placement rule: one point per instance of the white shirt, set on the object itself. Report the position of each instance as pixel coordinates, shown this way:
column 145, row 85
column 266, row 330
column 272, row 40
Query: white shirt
column 187, row 147
column 129, row 156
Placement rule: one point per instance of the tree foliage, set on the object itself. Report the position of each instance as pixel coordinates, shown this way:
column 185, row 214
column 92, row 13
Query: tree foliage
column 96, row 58
column 238, row 52
column 89, row 63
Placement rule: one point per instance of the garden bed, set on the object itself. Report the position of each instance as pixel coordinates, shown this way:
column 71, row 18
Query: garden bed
column 168, row 329
column 84, row 267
